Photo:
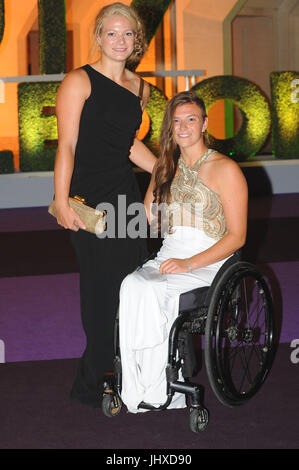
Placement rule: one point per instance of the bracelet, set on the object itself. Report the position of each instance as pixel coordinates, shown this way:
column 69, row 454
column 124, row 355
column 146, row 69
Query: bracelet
column 189, row 265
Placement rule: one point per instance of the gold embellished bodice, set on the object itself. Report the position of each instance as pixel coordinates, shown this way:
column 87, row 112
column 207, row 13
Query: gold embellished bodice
column 193, row 203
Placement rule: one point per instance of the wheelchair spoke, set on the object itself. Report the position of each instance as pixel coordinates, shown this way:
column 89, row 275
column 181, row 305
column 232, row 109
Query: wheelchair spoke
column 246, row 371
column 233, row 355
column 246, row 301
column 239, row 360
column 240, row 335
column 258, row 316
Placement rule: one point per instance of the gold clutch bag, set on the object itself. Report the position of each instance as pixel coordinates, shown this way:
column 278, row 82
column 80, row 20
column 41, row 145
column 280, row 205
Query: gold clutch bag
column 94, row 220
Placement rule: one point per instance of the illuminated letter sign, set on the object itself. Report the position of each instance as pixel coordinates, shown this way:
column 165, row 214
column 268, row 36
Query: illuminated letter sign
column 254, row 109
column 37, row 122
column 37, row 126
column 285, row 113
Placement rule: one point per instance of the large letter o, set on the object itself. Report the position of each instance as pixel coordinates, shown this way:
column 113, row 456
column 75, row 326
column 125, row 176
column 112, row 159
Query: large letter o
column 253, row 106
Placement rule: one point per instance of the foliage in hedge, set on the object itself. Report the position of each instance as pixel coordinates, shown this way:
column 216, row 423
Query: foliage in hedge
column 2, row 19
column 34, row 127
column 155, row 109
column 254, row 109
column 285, row 114
column 151, row 12
column 6, row 161
column 52, row 36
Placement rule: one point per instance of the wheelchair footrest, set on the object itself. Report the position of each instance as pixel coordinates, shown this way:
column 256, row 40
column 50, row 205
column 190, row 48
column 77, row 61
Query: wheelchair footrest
column 148, row 406
column 194, row 391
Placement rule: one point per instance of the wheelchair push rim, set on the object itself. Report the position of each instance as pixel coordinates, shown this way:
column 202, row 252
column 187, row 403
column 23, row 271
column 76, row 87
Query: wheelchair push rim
column 239, row 335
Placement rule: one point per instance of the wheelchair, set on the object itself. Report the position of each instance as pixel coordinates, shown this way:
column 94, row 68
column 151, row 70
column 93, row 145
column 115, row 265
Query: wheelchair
column 236, row 316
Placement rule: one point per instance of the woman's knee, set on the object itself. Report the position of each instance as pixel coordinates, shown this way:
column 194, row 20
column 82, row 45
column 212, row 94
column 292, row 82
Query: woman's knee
column 130, row 282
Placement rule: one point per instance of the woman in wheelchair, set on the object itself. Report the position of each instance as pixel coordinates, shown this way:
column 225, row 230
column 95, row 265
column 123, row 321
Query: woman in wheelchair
column 204, row 194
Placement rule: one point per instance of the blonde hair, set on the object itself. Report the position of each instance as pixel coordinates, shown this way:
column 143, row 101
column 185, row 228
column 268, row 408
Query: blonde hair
column 119, row 9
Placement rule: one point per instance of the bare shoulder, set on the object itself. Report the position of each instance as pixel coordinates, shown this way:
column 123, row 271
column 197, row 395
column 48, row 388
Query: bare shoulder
column 77, row 83
column 135, row 80
column 224, row 164
column 229, row 174
column 146, row 90
column 132, row 78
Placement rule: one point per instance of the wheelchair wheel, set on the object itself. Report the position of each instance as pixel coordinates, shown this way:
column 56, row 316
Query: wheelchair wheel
column 239, row 331
column 199, row 419
column 111, row 404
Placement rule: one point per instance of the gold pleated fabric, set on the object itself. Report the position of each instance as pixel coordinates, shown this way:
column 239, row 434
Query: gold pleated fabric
column 193, row 203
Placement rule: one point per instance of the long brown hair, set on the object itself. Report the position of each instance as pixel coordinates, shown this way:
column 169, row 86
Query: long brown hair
column 169, row 150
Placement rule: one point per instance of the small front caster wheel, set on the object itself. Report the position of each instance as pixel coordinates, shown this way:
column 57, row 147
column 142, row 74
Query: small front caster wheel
column 111, row 404
column 199, row 419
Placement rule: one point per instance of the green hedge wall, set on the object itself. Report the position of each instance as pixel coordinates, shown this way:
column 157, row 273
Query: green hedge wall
column 2, row 19
column 52, row 36
column 34, row 127
column 155, row 109
column 6, row 162
column 254, row 109
column 285, row 114
column 151, row 12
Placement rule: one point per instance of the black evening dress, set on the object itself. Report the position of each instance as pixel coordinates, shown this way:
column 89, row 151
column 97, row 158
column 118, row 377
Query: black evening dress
column 102, row 171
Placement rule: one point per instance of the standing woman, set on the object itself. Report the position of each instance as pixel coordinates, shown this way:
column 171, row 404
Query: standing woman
column 99, row 110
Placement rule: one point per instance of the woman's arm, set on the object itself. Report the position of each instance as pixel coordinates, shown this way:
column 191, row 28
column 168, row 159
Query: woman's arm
column 149, row 196
column 142, row 157
column 71, row 96
column 234, row 197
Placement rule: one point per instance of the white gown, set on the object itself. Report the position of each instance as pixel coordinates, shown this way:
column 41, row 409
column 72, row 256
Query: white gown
column 148, row 307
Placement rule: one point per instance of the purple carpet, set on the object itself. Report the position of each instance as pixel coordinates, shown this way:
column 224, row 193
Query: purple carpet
column 41, row 339
column 40, row 315
column 27, row 219
column 36, row 413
